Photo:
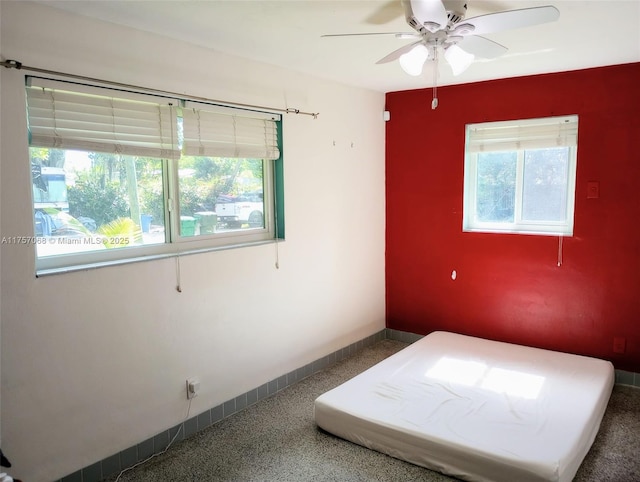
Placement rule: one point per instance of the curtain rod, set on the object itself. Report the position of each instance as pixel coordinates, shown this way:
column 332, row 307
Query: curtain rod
column 14, row 64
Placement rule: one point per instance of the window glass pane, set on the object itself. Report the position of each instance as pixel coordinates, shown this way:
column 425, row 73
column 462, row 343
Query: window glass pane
column 219, row 195
column 496, row 186
column 544, row 196
column 520, row 176
column 88, row 201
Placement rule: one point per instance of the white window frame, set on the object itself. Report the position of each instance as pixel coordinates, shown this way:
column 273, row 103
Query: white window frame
column 174, row 244
column 519, row 136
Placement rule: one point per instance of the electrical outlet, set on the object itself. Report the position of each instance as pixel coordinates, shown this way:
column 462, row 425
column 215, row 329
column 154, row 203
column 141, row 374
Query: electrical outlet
column 619, row 344
column 193, row 387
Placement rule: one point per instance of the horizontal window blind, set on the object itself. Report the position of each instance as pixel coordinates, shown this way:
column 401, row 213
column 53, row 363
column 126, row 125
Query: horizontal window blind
column 523, row 134
column 61, row 118
column 223, row 132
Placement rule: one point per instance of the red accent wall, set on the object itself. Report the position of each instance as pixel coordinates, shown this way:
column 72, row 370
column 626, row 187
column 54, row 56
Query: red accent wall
column 509, row 287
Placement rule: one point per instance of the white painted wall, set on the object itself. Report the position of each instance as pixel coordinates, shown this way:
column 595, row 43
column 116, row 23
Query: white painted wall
column 95, row 361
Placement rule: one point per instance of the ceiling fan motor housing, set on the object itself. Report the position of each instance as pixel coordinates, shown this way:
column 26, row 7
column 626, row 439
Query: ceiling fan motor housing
column 456, row 10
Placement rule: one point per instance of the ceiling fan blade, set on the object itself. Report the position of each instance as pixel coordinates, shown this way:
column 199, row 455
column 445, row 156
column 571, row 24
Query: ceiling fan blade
column 511, row 19
column 397, row 53
column 425, row 11
column 385, row 13
column 488, row 6
column 396, row 34
column 482, row 47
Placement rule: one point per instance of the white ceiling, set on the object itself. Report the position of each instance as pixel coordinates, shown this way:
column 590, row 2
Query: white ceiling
column 287, row 33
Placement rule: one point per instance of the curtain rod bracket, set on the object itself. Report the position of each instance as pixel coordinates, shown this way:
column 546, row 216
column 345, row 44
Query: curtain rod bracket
column 11, row 64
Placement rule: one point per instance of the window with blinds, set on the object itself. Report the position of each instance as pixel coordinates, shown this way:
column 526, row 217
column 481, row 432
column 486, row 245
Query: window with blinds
column 223, row 132
column 120, row 176
column 519, row 176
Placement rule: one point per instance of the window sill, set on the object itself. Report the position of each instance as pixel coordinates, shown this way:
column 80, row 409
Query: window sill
column 40, row 273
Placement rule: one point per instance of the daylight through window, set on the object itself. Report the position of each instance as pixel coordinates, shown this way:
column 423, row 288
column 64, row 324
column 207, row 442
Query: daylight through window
column 119, row 175
column 520, row 176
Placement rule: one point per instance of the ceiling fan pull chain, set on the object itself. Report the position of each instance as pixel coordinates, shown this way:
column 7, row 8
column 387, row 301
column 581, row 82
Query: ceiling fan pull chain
column 434, row 101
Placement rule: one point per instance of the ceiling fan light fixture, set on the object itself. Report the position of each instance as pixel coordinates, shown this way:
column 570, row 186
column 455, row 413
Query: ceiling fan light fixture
column 413, row 61
column 432, row 26
column 458, row 59
column 463, row 29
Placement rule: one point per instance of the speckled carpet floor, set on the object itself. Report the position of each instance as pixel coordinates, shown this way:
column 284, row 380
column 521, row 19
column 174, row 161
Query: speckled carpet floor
column 277, row 440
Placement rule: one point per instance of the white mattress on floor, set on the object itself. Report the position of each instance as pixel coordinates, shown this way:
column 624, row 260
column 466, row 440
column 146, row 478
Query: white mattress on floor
column 475, row 409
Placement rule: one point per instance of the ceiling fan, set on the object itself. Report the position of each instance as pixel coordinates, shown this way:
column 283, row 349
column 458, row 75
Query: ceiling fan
column 440, row 25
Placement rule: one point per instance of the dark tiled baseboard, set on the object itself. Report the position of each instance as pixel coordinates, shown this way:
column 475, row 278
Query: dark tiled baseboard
column 627, row 378
column 133, row 455
column 403, row 336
